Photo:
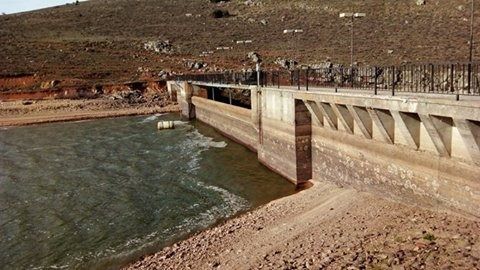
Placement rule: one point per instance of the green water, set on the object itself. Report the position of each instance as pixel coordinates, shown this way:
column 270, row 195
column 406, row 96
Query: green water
column 99, row 194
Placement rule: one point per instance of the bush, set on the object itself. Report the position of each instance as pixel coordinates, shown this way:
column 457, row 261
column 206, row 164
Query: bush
column 218, row 13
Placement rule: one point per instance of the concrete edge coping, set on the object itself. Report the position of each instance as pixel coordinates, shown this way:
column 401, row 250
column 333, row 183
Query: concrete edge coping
column 404, row 99
column 219, row 85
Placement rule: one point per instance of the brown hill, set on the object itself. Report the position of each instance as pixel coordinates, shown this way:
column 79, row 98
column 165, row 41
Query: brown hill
column 103, row 40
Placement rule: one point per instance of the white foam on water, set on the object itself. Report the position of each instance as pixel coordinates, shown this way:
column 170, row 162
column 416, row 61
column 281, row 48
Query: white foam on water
column 152, row 118
column 204, row 142
column 195, row 144
column 231, row 204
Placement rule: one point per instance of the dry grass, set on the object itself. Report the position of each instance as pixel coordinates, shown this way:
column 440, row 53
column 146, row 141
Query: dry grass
column 101, row 40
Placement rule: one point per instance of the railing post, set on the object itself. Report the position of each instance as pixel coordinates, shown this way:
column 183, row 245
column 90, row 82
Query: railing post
column 432, row 78
column 341, row 76
column 393, row 80
column 298, row 79
column 230, row 96
column 278, row 79
column 375, row 81
column 306, row 77
column 452, row 79
column 351, row 75
column 469, row 79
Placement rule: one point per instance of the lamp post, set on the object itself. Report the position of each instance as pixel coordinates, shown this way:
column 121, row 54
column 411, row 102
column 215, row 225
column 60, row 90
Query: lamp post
column 352, row 17
column 470, row 58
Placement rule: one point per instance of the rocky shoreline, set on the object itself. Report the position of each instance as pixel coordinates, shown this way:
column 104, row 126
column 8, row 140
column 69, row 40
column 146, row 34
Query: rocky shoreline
column 329, row 227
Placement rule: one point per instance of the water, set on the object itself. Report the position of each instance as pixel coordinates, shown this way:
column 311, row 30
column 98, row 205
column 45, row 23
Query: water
column 98, row 194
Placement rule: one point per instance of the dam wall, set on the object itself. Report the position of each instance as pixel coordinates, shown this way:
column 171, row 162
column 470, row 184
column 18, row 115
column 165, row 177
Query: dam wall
column 417, row 150
column 411, row 149
column 234, row 122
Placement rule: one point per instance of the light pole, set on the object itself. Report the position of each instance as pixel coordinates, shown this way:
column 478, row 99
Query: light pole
column 352, row 16
column 470, row 58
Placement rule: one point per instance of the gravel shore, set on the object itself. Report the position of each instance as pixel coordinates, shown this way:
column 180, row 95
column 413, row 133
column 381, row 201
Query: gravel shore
column 329, row 227
column 18, row 113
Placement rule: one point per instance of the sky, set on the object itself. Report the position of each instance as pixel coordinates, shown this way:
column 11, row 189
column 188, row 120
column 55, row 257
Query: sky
column 14, row 6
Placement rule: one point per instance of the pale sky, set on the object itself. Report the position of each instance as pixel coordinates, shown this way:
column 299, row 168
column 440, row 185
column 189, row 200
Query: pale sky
column 14, row 6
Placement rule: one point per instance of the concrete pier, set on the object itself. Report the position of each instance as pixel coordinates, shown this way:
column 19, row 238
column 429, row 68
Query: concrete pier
column 417, row 149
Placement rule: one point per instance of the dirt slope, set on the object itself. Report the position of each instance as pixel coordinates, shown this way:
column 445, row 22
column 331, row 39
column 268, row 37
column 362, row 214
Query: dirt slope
column 102, row 40
column 327, row 227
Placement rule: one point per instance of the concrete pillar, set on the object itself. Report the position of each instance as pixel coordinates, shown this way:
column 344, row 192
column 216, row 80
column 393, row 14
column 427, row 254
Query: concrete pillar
column 185, row 100
column 172, row 90
column 303, row 142
column 256, row 103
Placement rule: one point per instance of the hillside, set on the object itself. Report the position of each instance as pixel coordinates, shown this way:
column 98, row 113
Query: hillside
column 103, row 40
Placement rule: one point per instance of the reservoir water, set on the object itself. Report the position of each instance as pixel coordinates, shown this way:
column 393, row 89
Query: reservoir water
column 100, row 193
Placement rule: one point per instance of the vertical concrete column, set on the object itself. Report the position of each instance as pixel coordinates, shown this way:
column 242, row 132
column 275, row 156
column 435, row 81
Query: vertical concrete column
column 303, row 142
column 185, row 100
column 256, row 103
column 172, row 90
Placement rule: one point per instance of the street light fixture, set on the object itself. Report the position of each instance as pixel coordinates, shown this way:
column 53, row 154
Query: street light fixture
column 352, row 17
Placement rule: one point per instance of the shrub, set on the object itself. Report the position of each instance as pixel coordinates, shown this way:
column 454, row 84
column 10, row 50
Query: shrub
column 218, row 13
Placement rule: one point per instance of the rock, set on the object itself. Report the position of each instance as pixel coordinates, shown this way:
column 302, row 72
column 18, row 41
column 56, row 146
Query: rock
column 264, row 22
column 159, row 46
column 193, row 64
column 49, row 84
column 27, row 102
column 255, row 57
column 163, row 74
column 389, row 51
column 286, row 63
column 420, row 2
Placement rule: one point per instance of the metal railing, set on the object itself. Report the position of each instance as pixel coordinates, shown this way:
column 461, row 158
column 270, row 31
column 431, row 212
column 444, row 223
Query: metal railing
column 452, row 78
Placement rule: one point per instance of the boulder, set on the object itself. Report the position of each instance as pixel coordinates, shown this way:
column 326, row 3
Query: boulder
column 159, row 46
column 286, row 63
column 255, row 57
column 420, row 2
column 194, row 64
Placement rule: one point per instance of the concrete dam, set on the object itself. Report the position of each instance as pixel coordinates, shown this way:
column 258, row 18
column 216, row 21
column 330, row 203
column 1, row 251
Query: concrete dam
column 420, row 149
